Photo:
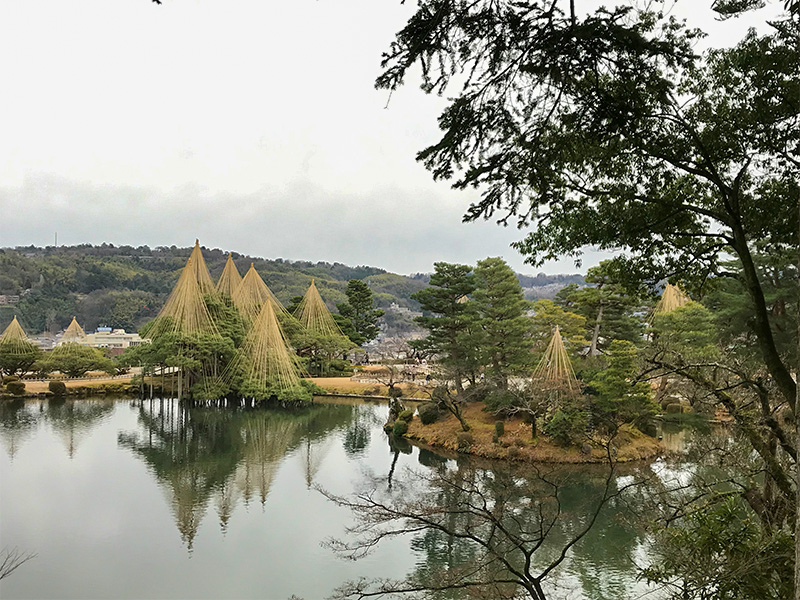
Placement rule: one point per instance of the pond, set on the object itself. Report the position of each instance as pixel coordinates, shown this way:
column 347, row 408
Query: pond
column 129, row 499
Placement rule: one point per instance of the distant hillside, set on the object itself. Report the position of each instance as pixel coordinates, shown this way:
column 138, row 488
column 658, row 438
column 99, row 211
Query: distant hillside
column 123, row 286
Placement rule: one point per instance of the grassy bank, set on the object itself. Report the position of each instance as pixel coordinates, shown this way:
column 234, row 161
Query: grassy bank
column 516, row 443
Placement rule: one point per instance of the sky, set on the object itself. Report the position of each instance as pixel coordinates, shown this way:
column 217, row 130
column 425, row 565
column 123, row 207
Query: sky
column 252, row 125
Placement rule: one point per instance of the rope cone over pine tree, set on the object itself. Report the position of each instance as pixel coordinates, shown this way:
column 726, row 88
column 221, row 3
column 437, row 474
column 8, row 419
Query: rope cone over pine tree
column 200, row 270
column 555, row 368
column 671, row 298
column 314, row 315
column 229, row 280
column 251, row 294
column 74, row 333
column 185, row 311
column 264, row 362
column 13, row 334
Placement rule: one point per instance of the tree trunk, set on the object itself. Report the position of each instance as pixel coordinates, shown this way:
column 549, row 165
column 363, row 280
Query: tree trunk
column 797, row 428
column 596, row 333
column 772, row 360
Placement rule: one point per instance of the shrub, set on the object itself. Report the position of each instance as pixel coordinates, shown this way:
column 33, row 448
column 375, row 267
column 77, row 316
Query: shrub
column 428, row 413
column 388, row 427
column 518, row 442
column 513, row 452
column 566, row 426
column 499, row 428
column 395, row 392
column 400, row 427
column 465, row 441
column 406, row 415
column 9, row 378
column 16, row 387
column 59, row 388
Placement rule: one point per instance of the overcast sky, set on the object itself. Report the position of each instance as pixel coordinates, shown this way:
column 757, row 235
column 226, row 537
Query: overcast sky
column 251, row 124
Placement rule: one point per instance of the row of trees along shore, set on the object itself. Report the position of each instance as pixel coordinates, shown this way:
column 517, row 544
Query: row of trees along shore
column 210, row 341
column 608, row 127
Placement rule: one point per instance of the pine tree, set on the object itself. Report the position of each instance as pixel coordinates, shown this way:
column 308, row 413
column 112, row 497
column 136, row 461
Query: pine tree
column 505, row 328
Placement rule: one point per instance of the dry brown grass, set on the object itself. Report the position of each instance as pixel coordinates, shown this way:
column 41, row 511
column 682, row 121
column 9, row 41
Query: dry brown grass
column 40, row 387
column 343, row 385
column 517, row 443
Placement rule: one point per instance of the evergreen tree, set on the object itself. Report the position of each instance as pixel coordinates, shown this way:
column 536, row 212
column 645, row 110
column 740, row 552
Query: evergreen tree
column 505, row 328
column 451, row 321
column 360, row 313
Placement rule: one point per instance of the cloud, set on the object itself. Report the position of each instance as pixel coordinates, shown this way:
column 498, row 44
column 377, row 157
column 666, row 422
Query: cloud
column 399, row 229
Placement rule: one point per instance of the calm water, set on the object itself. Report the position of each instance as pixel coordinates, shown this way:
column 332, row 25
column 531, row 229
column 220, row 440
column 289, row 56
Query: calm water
column 122, row 499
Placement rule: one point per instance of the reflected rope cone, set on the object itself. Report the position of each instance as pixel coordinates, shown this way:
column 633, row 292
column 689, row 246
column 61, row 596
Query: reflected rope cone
column 229, row 280
column 314, row 315
column 555, row 368
column 671, row 298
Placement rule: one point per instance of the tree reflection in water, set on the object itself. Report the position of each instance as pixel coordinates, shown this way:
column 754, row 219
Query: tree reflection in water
column 221, row 457
column 73, row 420
column 493, row 530
column 17, row 422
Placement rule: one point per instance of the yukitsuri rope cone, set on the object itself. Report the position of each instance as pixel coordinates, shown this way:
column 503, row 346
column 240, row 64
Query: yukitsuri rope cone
column 229, row 280
column 555, row 368
column 185, row 311
column 14, row 340
column 74, row 333
column 252, row 293
column 200, row 270
column 314, row 315
column 671, row 298
column 264, row 357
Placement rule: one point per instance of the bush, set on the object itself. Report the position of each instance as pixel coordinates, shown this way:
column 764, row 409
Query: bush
column 513, row 452
column 9, row 378
column 518, row 442
column 59, row 388
column 465, row 441
column 406, row 416
column 499, row 428
column 566, row 426
column 16, row 387
column 428, row 413
column 395, row 392
column 400, row 427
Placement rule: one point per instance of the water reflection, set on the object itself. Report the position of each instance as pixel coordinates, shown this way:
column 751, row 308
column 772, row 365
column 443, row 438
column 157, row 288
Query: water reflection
column 16, row 424
column 476, row 523
column 72, row 420
column 221, row 457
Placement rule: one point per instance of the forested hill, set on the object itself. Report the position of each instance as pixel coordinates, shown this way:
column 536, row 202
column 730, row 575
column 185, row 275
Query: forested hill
column 123, row 286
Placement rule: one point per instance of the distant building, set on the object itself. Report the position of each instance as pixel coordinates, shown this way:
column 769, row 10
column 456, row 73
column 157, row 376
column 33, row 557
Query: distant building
column 113, row 339
column 8, row 299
